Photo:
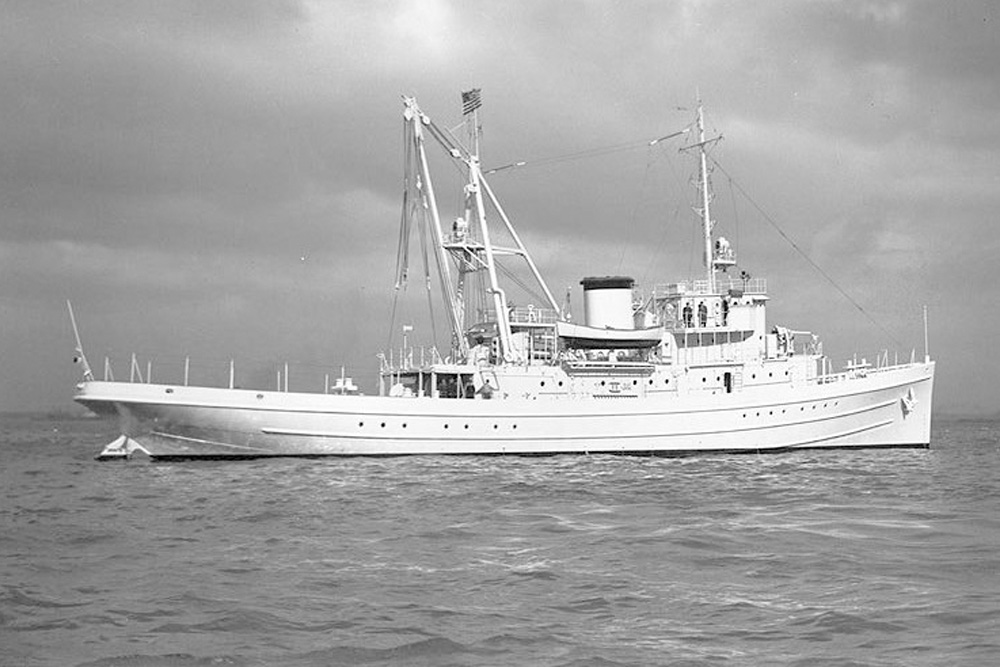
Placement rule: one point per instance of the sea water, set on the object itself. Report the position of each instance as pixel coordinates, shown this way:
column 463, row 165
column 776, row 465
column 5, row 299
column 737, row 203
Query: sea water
column 872, row 557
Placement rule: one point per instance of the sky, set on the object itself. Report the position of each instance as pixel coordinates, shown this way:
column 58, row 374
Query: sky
column 222, row 179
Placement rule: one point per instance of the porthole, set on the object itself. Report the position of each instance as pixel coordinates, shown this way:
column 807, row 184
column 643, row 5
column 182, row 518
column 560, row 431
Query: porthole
column 446, row 426
column 635, row 382
column 543, row 383
column 361, row 424
column 383, row 424
column 496, row 426
column 560, row 383
column 260, row 395
column 404, row 424
column 466, row 426
column 514, row 427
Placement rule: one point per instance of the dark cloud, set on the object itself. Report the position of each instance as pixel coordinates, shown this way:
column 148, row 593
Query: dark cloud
column 222, row 178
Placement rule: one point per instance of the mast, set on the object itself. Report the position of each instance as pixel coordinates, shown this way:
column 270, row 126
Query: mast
column 471, row 102
column 706, row 218
column 724, row 256
column 471, row 254
column 415, row 117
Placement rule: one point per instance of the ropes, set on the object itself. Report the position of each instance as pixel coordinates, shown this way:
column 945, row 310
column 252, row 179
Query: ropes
column 520, row 283
column 593, row 152
column 805, row 256
column 635, row 206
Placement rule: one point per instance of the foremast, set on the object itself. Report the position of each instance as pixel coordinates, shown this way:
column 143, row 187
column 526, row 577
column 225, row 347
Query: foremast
column 472, row 252
column 424, row 187
column 474, row 196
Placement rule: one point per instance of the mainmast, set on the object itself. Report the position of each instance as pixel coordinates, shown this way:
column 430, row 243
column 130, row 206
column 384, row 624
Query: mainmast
column 471, row 101
column 717, row 254
column 706, row 218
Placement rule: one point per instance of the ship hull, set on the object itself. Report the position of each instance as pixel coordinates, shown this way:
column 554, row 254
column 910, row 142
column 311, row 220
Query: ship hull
column 885, row 408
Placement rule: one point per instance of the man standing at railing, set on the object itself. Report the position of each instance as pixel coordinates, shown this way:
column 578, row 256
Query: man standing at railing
column 479, row 355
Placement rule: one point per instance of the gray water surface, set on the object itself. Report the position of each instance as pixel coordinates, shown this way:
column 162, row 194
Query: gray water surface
column 873, row 557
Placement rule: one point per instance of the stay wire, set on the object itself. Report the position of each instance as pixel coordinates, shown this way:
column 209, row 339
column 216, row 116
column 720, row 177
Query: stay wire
column 402, row 249
column 650, row 156
column 736, row 215
column 427, row 277
column 805, row 256
column 521, row 283
column 580, row 155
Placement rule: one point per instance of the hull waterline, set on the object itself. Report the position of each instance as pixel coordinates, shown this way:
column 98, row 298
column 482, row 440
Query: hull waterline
column 889, row 408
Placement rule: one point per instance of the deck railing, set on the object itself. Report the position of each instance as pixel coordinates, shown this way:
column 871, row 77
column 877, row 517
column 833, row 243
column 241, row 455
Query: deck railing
column 701, row 287
column 251, row 374
column 861, row 367
column 409, row 358
column 533, row 315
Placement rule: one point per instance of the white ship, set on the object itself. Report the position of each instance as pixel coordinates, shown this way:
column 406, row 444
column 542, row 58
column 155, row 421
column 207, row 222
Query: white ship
column 681, row 368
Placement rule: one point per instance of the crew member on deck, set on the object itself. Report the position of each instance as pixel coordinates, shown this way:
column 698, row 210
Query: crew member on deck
column 479, row 355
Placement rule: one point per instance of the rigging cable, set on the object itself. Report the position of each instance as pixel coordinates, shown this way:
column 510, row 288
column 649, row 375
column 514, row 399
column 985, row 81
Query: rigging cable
column 736, row 215
column 680, row 184
column 520, row 283
column 402, row 249
column 635, row 206
column 427, row 276
column 805, row 256
column 592, row 152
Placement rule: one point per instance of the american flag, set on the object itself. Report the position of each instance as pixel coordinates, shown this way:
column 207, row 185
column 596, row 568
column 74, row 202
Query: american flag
column 471, row 101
